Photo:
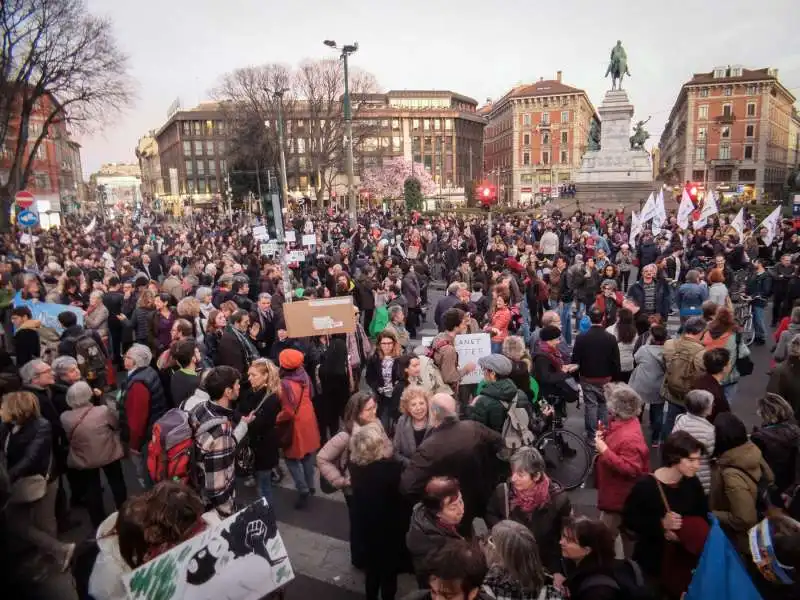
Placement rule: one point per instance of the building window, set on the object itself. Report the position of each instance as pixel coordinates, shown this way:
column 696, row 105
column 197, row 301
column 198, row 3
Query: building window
column 526, row 158
column 749, row 131
column 747, row 174
column 526, row 139
column 186, row 128
column 437, row 124
column 201, row 186
column 701, row 134
column 212, row 167
column 187, row 148
column 704, row 93
column 545, row 158
column 702, row 112
column 198, row 148
column 201, row 167
column 223, row 166
column 221, row 147
column 725, row 132
column 545, row 138
column 727, row 110
column 564, row 157
column 301, row 145
column 751, row 90
column 564, row 137
column 196, row 127
column 545, row 118
column 189, row 167
column 426, row 124
column 724, row 152
column 210, row 148
column 719, row 73
column 397, row 143
column 448, row 124
column 42, row 181
column 700, row 153
column 395, row 124
column 526, row 120
column 190, row 188
column 415, row 124
column 728, row 91
column 565, row 116
column 751, row 109
column 213, row 186
column 748, row 152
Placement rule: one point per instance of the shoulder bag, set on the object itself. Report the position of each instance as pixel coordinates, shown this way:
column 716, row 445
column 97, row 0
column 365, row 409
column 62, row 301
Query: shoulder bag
column 30, row 488
column 744, row 364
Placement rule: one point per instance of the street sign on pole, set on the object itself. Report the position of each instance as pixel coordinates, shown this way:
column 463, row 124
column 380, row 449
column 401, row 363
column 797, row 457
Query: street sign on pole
column 24, row 199
column 28, row 218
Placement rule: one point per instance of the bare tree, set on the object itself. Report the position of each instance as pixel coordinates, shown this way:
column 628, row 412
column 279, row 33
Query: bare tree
column 314, row 96
column 57, row 58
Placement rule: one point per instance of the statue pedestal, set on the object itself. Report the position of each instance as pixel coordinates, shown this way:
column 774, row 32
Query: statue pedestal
column 614, row 175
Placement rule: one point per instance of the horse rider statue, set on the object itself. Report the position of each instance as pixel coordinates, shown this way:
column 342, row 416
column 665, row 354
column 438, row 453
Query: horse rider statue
column 639, row 136
column 618, row 66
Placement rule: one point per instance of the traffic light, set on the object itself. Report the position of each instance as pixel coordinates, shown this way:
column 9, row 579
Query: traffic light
column 692, row 191
column 487, row 195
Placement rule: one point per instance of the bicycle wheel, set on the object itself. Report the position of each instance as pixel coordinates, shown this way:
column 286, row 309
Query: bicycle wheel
column 748, row 332
column 567, row 458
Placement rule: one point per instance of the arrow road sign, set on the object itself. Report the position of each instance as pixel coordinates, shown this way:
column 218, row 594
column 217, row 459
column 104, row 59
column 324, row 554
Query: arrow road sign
column 28, row 219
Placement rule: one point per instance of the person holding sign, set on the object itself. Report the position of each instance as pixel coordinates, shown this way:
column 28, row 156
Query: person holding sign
column 443, row 350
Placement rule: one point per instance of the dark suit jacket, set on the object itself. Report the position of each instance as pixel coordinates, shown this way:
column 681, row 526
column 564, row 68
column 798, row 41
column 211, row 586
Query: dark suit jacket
column 231, row 353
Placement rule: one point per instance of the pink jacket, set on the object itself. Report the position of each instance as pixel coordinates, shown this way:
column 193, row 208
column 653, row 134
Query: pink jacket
column 93, row 434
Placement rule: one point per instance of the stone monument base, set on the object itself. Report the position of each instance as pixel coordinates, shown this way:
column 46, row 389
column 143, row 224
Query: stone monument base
column 591, row 196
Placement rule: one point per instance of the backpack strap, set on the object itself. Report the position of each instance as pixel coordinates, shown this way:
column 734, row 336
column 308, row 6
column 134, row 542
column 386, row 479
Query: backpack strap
column 638, row 575
column 209, row 425
column 598, row 581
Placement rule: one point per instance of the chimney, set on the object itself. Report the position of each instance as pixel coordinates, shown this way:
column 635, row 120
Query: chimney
column 558, row 76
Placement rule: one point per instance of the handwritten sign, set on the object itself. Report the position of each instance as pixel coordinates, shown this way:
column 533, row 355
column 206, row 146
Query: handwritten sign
column 260, row 232
column 295, row 256
column 242, row 558
column 290, row 236
column 309, row 239
column 269, row 249
column 470, row 347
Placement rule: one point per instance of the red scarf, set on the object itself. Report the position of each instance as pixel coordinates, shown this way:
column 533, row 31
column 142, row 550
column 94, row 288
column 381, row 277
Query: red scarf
column 534, row 497
column 554, row 354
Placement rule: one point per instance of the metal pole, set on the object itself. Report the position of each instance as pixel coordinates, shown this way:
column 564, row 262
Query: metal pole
column 348, row 132
column 33, row 249
column 284, row 185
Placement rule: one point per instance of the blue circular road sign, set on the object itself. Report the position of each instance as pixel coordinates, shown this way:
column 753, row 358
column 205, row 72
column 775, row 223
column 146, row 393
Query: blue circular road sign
column 27, row 218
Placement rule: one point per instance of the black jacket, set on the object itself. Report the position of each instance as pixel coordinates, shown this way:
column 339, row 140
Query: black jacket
column 759, row 287
column 29, row 449
column 373, row 375
column 425, row 536
column 27, row 345
column 779, row 445
column 581, row 589
column 261, row 433
column 48, row 410
column 551, row 379
column 113, row 302
column 647, row 254
column 596, row 353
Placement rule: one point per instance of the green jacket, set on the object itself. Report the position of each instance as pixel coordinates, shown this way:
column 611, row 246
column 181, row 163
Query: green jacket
column 488, row 408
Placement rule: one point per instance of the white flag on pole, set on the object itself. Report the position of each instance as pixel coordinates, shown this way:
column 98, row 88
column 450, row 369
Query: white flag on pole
column 90, row 227
column 709, row 208
column 649, row 209
column 738, row 223
column 636, row 229
column 661, row 214
column 771, row 224
column 685, row 210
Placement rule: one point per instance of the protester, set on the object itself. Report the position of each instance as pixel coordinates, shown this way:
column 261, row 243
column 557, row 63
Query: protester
column 589, row 546
column 785, row 378
column 683, row 359
column 455, row 571
column 716, row 364
column 778, row 438
column 413, row 426
column 696, row 422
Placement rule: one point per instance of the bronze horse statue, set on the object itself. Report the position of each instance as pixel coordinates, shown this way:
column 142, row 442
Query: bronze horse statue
column 617, row 66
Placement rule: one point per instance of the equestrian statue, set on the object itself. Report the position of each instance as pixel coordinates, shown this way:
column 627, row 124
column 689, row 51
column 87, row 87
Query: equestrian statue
column 618, row 66
column 640, row 135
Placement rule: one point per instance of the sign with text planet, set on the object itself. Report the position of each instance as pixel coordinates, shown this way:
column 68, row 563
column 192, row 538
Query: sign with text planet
column 28, row 219
column 24, row 199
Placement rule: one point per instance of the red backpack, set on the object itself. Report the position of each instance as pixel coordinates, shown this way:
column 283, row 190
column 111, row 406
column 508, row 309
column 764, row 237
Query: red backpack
column 172, row 453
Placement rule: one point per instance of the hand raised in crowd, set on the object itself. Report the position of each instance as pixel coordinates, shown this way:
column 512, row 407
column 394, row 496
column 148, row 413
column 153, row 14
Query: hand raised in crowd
column 599, row 442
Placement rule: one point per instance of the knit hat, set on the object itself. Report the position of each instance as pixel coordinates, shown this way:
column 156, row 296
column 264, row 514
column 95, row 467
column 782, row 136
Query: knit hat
column 551, row 332
column 496, row 363
column 290, row 359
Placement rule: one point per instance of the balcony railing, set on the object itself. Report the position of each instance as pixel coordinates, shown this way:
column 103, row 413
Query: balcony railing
column 726, row 119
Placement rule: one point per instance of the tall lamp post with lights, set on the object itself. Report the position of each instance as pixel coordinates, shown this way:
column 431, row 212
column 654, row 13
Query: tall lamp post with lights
column 278, row 96
column 346, row 51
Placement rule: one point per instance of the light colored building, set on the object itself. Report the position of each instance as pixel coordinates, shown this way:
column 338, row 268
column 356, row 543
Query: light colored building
column 116, row 186
column 535, row 138
column 729, row 130
column 793, row 156
column 150, row 166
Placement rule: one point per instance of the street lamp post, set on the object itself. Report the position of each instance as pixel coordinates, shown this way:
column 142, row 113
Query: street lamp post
column 346, row 51
column 278, row 95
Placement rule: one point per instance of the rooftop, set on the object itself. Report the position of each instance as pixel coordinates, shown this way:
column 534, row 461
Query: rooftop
column 729, row 77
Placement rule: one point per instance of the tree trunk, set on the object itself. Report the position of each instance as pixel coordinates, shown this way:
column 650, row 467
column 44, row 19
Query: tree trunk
column 6, row 202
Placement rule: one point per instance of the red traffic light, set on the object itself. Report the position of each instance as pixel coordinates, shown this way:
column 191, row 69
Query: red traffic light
column 486, row 192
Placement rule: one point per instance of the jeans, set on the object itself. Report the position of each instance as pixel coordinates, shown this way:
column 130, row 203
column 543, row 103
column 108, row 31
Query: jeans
column 302, row 472
column 758, row 323
column 730, row 391
column 672, row 412
column 381, row 579
column 656, row 421
column 594, row 409
column 140, row 466
column 264, row 482
column 497, row 347
column 565, row 312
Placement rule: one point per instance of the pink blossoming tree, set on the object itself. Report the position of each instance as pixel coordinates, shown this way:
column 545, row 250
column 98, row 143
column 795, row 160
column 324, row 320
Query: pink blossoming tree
column 387, row 182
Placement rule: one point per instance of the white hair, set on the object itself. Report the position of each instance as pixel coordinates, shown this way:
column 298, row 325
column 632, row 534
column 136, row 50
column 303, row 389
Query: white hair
column 140, row 355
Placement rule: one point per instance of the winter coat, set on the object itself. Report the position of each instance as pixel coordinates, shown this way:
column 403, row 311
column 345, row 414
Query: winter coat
column 734, row 485
column 305, row 431
column 28, row 450
column 729, row 340
column 685, row 355
column 780, row 447
column 545, row 522
column 405, row 444
column 782, row 349
column 380, row 515
column 465, row 450
column 622, row 464
column 718, row 294
column 503, row 584
column 26, row 342
column 426, row 535
column 261, row 433
column 93, row 434
column 333, row 459
column 488, row 407
column 648, row 374
column 637, row 294
column 785, row 381
column 551, row 379
column 230, row 352
column 703, row 431
column 690, row 298
column 585, row 570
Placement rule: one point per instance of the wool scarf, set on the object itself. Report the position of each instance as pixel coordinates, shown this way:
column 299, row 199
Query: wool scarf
column 534, row 497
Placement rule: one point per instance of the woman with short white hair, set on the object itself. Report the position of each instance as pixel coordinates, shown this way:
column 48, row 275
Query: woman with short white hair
column 96, row 317
column 699, row 404
column 94, row 443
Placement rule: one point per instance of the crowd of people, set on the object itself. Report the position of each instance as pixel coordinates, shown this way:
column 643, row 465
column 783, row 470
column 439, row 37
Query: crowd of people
column 173, row 330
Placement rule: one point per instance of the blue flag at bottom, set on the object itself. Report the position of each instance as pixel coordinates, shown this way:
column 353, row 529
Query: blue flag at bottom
column 720, row 574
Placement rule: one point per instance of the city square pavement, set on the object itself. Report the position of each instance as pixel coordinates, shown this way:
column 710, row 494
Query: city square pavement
column 317, row 538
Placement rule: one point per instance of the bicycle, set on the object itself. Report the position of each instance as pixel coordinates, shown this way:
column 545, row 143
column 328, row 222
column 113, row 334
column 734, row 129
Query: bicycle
column 743, row 313
column 567, row 457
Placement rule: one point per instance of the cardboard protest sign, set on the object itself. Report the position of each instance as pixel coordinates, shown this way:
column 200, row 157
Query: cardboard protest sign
column 260, row 232
column 320, row 317
column 470, row 347
column 309, row 239
column 242, row 558
column 289, row 236
column 269, row 249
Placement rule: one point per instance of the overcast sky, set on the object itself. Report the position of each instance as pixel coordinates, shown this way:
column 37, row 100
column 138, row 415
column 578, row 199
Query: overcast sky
column 180, row 48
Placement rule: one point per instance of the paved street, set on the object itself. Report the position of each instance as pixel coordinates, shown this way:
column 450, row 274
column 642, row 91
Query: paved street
column 317, row 538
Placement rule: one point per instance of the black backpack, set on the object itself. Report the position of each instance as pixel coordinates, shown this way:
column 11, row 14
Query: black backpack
column 90, row 356
column 628, row 581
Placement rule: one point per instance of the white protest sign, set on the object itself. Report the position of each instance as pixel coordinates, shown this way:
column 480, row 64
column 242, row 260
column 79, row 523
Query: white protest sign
column 269, row 249
column 470, row 347
column 296, row 256
column 309, row 239
column 289, row 236
column 426, row 341
column 260, row 232
column 241, row 558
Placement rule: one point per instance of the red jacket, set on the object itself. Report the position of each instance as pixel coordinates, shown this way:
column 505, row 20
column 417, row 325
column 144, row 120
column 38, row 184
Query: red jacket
column 619, row 467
